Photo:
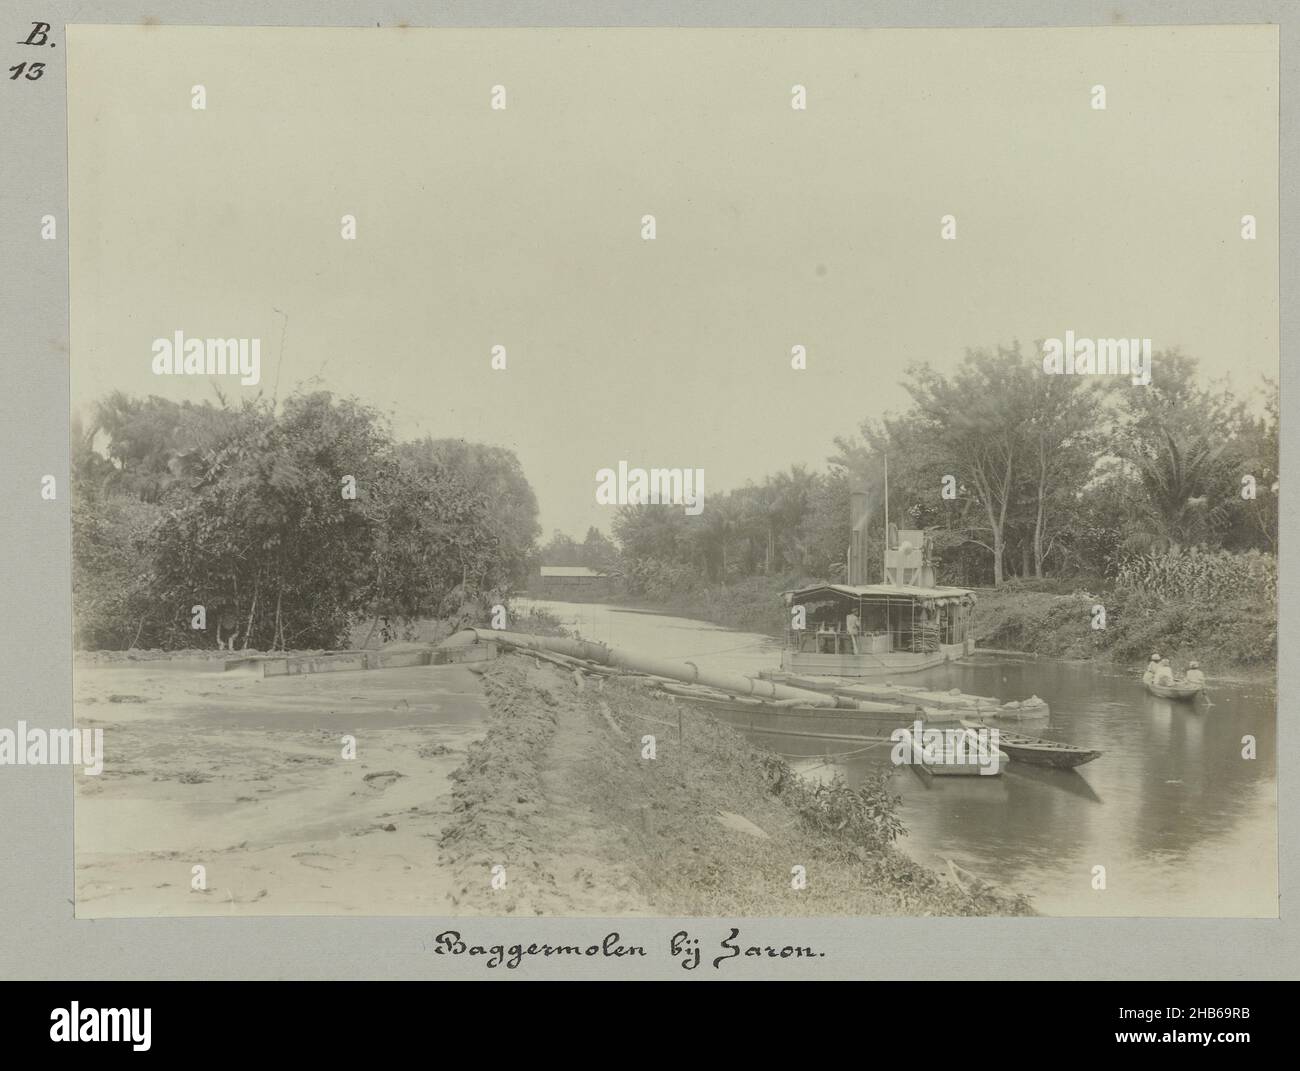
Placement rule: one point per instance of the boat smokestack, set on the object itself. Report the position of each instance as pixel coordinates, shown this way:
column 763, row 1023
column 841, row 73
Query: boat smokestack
column 859, row 511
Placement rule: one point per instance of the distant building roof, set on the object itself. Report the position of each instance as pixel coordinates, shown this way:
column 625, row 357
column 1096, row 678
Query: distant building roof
column 570, row 570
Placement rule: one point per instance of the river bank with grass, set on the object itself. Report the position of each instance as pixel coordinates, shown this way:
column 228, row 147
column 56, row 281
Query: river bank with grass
column 593, row 797
column 1220, row 609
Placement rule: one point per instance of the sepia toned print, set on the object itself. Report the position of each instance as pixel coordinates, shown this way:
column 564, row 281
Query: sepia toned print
column 673, row 472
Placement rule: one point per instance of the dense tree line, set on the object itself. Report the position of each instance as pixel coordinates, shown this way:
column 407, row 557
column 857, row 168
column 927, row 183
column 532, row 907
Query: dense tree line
column 292, row 525
column 1015, row 474
column 289, row 525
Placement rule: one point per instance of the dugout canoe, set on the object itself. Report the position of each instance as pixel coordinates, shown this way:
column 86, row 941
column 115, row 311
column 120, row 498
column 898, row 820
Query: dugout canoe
column 1037, row 751
column 1176, row 690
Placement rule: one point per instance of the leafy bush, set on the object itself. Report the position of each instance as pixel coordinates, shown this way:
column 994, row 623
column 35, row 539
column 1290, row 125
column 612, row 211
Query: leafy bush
column 1193, row 603
column 288, row 525
column 1220, row 608
column 1240, row 631
column 657, row 580
column 865, row 816
column 1198, row 574
column 111, row 571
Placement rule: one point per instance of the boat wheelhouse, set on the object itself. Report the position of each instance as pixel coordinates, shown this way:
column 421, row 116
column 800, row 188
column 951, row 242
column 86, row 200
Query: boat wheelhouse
column 869, row 630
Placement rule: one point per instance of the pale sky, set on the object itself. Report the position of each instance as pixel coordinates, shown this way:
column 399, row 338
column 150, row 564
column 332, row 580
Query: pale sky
column 775, row 227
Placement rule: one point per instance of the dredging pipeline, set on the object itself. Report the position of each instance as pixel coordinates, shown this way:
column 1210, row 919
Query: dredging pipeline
column 686, row 672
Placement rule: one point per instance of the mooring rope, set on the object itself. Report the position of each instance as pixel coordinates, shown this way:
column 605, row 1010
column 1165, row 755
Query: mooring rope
column 838, row 755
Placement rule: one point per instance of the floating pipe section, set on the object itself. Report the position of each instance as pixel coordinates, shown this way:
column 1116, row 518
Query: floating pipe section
column 687, row 672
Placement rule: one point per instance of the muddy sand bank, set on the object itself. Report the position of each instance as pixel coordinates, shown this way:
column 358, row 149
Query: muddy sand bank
column 246, row 777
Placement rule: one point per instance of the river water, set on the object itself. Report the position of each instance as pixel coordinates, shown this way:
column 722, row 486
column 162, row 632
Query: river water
column 1181, row 822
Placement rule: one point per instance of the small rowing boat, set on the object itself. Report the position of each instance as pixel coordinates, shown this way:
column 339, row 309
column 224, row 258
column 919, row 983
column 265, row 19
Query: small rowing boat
column 1035, row 750
column 1174, row 690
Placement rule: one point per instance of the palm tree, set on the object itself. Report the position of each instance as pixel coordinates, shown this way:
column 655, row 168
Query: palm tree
column 1178, row 472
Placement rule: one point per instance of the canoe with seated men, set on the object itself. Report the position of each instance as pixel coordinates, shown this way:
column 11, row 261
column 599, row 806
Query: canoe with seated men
column 1159, row 679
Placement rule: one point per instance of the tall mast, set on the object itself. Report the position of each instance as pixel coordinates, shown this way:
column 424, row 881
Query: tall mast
column 886, row 501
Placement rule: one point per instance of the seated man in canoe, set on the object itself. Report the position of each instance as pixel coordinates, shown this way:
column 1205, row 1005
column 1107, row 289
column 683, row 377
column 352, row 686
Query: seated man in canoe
column 1150, row 675
column 1164, row 672
column 1194, row 674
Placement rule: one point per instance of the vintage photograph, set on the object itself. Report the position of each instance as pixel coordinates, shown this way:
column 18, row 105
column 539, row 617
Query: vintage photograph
column 674, row 472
